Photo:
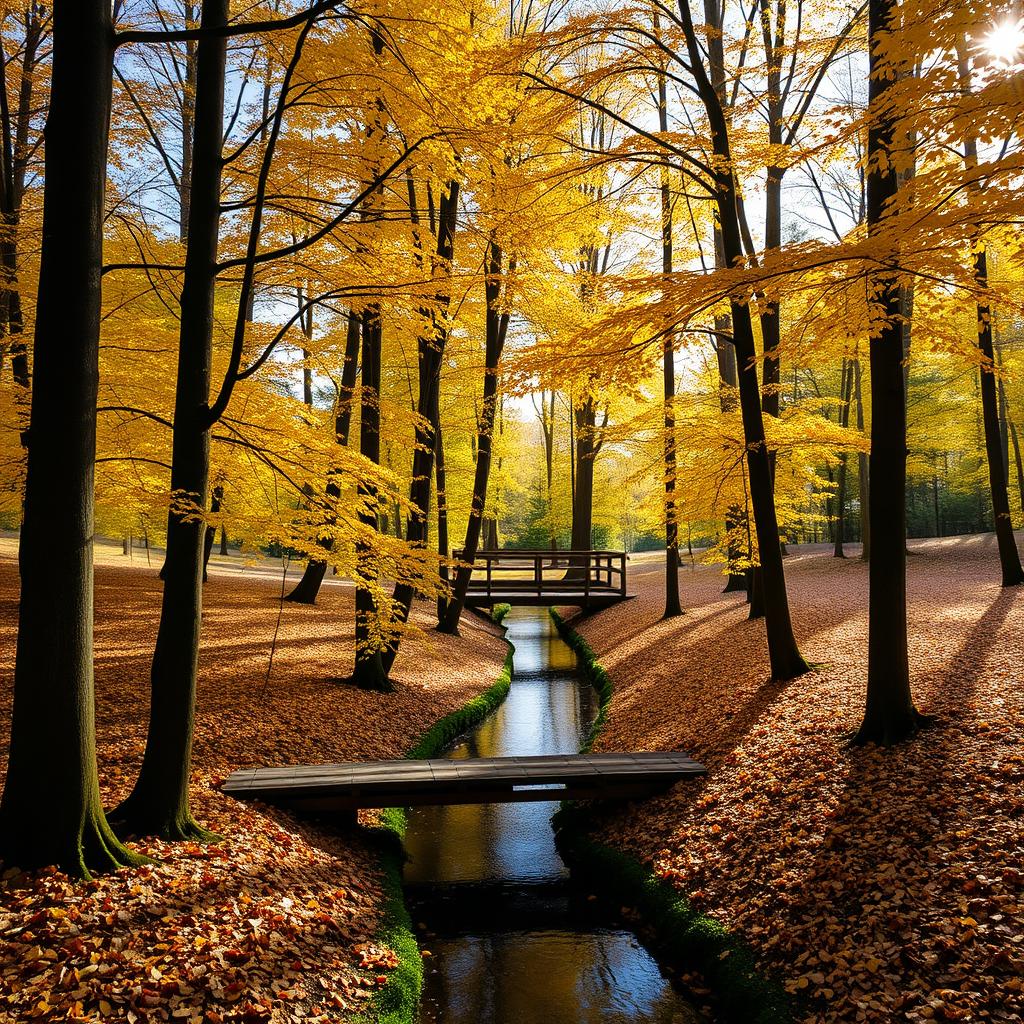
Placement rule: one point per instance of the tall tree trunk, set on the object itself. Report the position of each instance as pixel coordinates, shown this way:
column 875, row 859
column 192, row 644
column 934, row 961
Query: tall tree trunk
column 159, row 802
column 784, row 655
column 889, row 714
column 846, row 388
column 430, row 349
column 863, row 476
column 443, row 547
column 12, row 186
column 1009, row 559
column 497, row 327
column 369, row 672
column 51, row 812
column 223, row 539
column 1018, row 463
column 668, row 363
column 587, row 446
column 307, row 589
column 736, row 580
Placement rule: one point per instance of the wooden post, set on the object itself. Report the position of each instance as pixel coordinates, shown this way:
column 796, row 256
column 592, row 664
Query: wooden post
column 538, row 574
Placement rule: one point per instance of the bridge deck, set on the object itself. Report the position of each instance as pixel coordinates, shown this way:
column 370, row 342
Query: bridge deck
column 347, row 787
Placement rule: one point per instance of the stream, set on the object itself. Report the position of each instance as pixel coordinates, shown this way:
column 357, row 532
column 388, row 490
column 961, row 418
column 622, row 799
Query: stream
column 511, row 940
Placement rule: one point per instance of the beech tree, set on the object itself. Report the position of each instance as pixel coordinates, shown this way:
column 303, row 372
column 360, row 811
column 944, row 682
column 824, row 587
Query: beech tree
column 51, row 812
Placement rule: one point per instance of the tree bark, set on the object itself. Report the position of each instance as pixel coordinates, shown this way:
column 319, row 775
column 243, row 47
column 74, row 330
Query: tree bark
column 784, row 655
column 889, row 714
column 497, row 327
column 211, row 531
column 1009, row 559
column 51, row 812
column 370, row 672
column 668, row 363
column 844, row 419
column 991, row 407
column 430, row 348
column 863, row 476
column 159, row 802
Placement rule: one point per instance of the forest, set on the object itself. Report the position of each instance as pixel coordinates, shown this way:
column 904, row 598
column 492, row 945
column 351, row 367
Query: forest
column 482, row 382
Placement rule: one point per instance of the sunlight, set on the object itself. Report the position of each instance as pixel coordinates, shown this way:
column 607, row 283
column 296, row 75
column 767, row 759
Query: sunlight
column 1005, row 41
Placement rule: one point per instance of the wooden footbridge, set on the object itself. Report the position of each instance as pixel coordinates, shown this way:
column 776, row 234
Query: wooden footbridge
column 584, row 579
column 344, row 788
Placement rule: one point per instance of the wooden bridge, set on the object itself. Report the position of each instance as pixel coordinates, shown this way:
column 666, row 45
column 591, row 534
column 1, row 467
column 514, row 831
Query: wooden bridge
column 344, row 788
column 584, row 579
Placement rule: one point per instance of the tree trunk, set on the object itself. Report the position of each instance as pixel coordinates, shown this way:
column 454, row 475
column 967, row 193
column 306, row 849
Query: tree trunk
column 993, row 412
column 223, row 539
column 889, row 715
column 430, row 349
column 443, row 548
column 585, row 416
column 1009, row 559
column 863, row 477
column 497, row 326
column 1017, row 462
column 211, row 531
column 51, row 812
column 307, row 589
column 369, row 672
column 784, row 655
column 159, row 802
column 668, row 363
column 844, row 419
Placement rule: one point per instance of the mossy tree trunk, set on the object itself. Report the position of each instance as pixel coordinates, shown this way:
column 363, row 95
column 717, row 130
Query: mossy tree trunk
column 159, row 802
column 51, row 812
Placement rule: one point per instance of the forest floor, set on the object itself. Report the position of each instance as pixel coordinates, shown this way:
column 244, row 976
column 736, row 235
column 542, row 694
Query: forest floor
column 277, row 922
column 878, row 885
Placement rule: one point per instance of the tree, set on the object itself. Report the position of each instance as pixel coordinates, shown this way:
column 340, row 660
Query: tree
column 51, row 812
column 889, row 715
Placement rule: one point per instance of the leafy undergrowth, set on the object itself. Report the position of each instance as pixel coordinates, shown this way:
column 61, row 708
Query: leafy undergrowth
column 880, row 885
column 283, row 921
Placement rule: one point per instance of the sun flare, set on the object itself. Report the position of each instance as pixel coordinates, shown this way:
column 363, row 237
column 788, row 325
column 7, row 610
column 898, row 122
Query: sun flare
column 1004, row 42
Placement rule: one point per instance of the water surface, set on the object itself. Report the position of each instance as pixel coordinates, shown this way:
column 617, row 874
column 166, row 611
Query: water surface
column 512, row 941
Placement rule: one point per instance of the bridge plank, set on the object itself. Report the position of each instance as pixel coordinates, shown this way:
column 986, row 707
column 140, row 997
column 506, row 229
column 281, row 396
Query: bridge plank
column 498, row 779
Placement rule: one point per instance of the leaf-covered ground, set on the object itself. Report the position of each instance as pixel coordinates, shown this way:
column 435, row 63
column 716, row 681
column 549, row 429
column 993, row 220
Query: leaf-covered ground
column 276, row 923
column 878, row 885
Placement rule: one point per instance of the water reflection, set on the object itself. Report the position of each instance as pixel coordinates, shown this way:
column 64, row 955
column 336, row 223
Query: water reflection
column 512, row 943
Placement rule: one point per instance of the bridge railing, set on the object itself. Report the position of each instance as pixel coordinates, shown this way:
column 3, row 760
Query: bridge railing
column 504, row 572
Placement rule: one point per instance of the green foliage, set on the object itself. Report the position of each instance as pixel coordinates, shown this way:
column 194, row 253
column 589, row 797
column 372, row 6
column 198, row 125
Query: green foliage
column 499, row 611
column 683, row 934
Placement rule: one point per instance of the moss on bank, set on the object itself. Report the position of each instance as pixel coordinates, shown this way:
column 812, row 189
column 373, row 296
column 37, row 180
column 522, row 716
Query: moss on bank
column 683, row 935
column 398, row 1001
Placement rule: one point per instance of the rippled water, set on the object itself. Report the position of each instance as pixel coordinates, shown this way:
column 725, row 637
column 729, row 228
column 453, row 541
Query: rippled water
column 511, row 941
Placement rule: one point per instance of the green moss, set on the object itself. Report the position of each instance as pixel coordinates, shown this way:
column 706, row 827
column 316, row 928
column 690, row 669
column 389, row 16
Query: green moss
column 683, row 935
column 499, row 611
column 398, row 1001
column 593, row 671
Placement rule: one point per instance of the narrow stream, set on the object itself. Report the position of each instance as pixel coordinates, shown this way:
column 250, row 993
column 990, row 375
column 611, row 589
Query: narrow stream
column 511, row 941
